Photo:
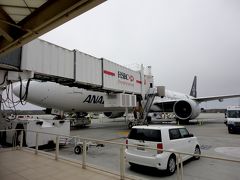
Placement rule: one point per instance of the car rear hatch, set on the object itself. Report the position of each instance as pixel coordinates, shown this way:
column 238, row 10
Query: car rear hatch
column 144, row 139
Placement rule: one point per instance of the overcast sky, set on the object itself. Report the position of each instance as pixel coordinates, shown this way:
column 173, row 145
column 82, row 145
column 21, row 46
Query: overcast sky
column 178, row 38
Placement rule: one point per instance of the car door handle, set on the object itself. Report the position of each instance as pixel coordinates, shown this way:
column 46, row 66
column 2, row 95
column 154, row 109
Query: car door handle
column 189, row 141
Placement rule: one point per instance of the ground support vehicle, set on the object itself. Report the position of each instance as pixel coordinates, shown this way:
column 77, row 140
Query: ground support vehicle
column 46, row 131
column 233, row 119
column 79, row 122
column 135, row 122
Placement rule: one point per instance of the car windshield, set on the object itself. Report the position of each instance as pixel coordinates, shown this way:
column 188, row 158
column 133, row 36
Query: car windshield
column 233, row 113
column 145, row 135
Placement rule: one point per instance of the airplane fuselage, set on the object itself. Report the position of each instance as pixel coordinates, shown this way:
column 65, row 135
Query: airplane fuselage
column 68, row 99
column 73, row 99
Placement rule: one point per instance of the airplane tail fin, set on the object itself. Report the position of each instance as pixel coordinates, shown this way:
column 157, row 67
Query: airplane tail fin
column 193, row 91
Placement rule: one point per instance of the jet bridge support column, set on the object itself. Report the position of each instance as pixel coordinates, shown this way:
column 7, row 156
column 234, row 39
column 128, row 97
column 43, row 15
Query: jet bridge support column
column 2, row 84
column 1, row 117
column 142, row 81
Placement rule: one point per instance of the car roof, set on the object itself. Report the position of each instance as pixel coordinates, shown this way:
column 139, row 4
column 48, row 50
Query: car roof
column 233, row 108
column 157, row 127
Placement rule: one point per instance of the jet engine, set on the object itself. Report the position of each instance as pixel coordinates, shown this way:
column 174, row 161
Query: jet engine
column 113, row 114
column 186, row 109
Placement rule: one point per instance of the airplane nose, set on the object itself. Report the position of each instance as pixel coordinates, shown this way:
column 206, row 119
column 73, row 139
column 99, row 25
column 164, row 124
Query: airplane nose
column 17, row 87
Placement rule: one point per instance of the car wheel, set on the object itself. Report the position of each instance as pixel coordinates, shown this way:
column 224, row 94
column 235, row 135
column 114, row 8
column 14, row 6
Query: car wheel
column 171, row 166
column 198, row 152
column 77, row 150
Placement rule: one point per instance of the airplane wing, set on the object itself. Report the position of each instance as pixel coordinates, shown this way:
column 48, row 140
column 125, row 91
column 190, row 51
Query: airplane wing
column 166, row 105
column 212, row 98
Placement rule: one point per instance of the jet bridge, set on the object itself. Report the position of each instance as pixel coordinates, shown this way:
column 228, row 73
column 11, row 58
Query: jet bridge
column 45, row 61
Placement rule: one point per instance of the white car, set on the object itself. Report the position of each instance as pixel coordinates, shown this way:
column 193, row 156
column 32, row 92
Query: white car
column 174, row 138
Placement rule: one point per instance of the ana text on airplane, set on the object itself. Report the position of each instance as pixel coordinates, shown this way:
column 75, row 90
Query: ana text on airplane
column 94, row 99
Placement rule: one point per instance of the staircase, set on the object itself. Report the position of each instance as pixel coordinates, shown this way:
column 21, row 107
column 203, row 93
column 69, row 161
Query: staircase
column 149, row 97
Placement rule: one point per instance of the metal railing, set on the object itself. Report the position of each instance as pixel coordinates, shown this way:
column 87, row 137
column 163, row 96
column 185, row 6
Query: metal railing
column 122, row 148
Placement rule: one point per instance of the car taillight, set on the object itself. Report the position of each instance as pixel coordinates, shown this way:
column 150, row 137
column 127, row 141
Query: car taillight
column 159, row 147
column 126, row 143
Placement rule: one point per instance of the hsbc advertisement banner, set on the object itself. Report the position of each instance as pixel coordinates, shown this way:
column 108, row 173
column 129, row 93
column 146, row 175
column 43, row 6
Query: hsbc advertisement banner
column 120, row 78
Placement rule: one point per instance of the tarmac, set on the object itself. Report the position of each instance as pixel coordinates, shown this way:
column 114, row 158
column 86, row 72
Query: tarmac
column 211, row 132
column 24, row 165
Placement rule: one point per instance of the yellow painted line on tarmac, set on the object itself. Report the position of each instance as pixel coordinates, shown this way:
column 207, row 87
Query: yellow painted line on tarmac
column 124, row 133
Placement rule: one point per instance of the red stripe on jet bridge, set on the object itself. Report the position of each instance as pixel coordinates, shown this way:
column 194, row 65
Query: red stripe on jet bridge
column 109, row 73
column 137, row 81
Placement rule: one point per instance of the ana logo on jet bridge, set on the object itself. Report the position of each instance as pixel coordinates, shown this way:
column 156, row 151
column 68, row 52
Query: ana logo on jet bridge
column 125, row 76
column 94, row 99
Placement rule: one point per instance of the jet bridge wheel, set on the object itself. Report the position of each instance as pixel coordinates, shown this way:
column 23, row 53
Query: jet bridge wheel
column 149, row 119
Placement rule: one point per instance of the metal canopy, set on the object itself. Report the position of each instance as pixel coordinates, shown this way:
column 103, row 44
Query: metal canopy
column 24, row 20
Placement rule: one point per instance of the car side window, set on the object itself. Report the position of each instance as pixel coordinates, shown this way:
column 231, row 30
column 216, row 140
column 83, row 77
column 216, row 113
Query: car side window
column 184, row 132
column 174, row 134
